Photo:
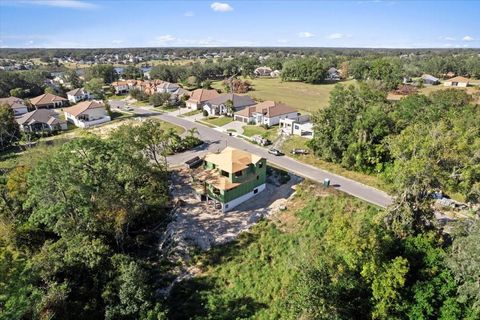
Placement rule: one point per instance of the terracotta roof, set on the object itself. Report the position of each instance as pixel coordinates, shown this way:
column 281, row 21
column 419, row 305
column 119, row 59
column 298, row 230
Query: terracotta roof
column 238, row 100
column 40, row 115
column 81, row 107
column 458, row 79
column 268, row 108
column 232, row 160
column 46, row 98
column 119, row 83
column 202, row 95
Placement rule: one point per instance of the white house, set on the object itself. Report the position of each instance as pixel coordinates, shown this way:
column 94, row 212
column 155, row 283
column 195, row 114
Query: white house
column 199, row 97
column 266, row 113
column 86, row 114
column 219, row 105
column 77, row 95
column 457, row 82
column 40, row 120
column 121, row 87
column 17, row 105
column 299, row 126
column 263, row 72
column 332, row 74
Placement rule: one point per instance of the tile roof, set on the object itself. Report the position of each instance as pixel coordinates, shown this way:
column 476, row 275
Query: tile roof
column 13, row 102
column 40, row 115
column 81, row 107
column 238, row 100
column 458, row 79
column 76, row 92
column 46, row 98
column 232, row 160
column 268, row 108
column 202, row 95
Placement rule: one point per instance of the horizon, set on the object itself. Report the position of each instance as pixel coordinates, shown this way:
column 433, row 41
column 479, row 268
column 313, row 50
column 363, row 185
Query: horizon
column 228, row 24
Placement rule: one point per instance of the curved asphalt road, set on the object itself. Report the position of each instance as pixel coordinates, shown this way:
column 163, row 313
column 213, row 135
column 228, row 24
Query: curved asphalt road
column 217, row 141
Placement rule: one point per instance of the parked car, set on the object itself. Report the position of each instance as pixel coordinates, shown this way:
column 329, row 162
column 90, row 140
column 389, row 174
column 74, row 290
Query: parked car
column 275, row 152
column 300, row 151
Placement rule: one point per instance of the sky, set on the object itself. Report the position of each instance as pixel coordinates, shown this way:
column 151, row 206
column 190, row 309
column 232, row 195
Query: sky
column 196, row 23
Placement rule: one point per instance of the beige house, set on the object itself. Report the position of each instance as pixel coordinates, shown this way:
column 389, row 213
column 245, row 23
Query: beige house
column 41, row 120
column 457, row 82
column 86, row 114
column 199, row 97
column 48, row 101
column 266, row 113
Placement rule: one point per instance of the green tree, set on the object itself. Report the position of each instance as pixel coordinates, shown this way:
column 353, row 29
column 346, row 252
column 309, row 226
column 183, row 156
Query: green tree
column 9, row 130
column 159, row 99
column 95, row 87
column 17, row 92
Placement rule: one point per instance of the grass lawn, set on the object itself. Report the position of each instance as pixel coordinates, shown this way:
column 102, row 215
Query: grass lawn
column 303, row 96
column 251, row 130
column 167, row 125
column 192, row 113
column 141, row 103
column 251, row 278
column 218, row 121
column 297, row 142
column 115, row 97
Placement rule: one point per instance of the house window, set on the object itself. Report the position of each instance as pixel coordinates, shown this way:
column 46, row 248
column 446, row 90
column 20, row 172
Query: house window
column 260, row 165
column 296, row 127
column 255, row 191
column 225, row 173
column 238, row 174
column 216, row 191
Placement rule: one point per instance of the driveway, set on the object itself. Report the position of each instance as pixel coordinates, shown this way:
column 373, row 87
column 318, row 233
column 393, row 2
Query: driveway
column 216, row 140
column 234, row 125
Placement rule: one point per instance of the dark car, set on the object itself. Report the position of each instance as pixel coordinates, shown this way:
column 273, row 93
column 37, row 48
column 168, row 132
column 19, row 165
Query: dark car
column 275, row 152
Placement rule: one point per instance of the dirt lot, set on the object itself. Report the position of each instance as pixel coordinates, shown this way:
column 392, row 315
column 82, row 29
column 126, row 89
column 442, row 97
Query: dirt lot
column 200, row 224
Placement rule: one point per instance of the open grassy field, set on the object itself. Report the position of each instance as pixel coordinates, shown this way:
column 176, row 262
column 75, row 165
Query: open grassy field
column 252, row 277
column 427, row 90
column 303, row 96
column 296, row 142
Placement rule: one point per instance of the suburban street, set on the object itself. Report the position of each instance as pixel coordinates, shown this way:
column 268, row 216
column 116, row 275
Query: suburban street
column 217, row 140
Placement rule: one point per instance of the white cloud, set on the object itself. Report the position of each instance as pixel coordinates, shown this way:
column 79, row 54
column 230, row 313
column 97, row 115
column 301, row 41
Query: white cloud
column 221, row 7
column 72, row 4
column 117, row 41
column 189, row 14
column 468, row 38
column 336, row 35
column 449, row 38
column 165, row 39
column 306, row 35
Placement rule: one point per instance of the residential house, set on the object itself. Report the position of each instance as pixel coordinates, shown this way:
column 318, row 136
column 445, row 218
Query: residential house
column 167, row 87
column 430, row 80
column 275, row 73
column 299, row 126
column 262, row 72
column 332, row 74
column 77, row 95
column 17, row 105
column 87, row 114
column 266, row 113
column 230, row 177
column 120, row 87
column 48, row 101
column 219, row 105
column 457, row 82
column 41, row 120
column 199, row 97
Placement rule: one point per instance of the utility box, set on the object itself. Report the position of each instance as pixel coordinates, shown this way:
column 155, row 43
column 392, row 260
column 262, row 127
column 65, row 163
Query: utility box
column 326, row 183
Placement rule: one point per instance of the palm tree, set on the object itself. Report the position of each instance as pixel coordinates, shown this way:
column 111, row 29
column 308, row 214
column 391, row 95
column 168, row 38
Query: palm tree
column 230, row 107
column 192, row 132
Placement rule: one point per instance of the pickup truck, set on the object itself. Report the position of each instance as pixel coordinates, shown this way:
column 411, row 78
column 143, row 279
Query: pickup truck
column 300, row 151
